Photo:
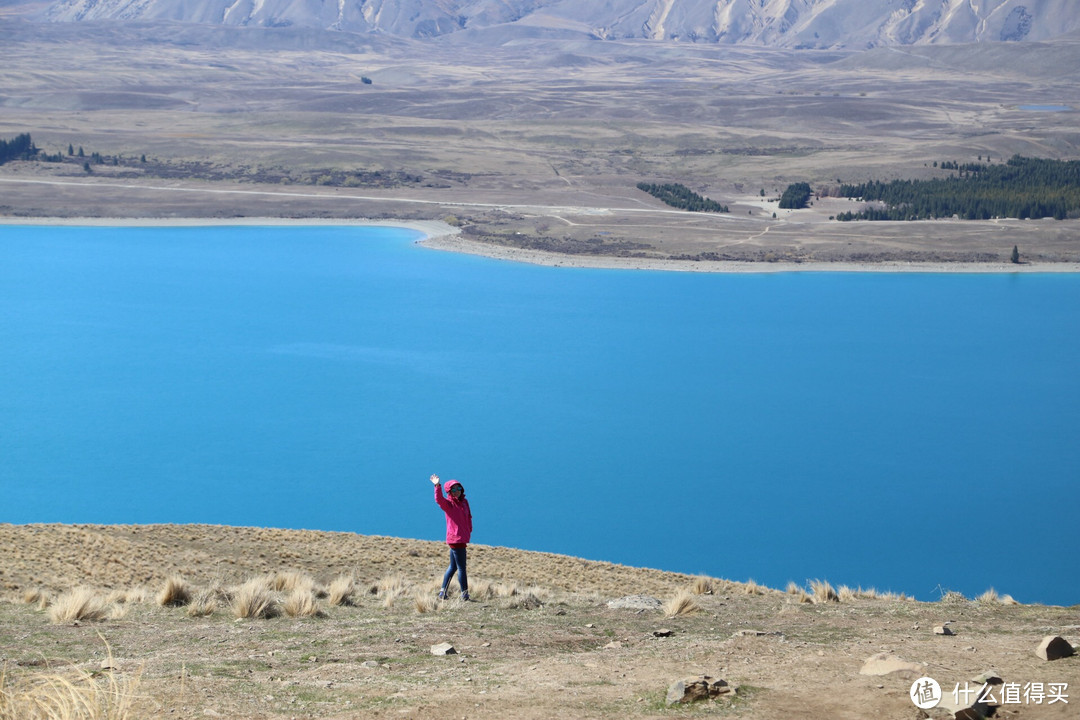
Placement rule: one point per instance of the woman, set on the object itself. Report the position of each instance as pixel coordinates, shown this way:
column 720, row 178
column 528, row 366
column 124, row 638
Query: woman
column 458, row 532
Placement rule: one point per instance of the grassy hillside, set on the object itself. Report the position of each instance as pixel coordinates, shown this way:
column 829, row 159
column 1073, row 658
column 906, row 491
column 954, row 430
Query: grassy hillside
column 165, row 625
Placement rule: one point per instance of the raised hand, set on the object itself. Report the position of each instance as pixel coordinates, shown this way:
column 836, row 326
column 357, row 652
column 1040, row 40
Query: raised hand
column 434, row 479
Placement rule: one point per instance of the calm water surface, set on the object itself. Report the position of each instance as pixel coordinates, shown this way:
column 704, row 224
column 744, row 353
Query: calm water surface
column 910, row 432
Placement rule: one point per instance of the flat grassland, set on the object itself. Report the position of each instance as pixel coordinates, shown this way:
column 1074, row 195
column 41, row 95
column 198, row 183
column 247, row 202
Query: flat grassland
column 538, row 640
column 530, row 145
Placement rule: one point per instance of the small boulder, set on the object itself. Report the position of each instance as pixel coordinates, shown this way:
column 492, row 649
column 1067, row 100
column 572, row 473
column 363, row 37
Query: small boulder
column 989, row 677
column 663, row 632
column 635, row 602
column 693, row 689
column 943, row 630
column 886, row 664
column 443, row 649
column 1054, row 647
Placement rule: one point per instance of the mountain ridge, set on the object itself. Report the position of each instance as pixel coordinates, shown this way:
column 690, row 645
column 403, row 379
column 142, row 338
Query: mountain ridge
column 790, row 24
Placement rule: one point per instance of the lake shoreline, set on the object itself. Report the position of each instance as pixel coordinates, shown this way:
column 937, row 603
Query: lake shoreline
column 441, row 236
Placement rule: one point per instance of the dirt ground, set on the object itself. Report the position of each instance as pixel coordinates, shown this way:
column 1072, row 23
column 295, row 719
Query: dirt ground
column 553, row 648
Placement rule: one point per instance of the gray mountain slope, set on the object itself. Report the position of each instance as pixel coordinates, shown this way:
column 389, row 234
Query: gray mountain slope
column 850, row 24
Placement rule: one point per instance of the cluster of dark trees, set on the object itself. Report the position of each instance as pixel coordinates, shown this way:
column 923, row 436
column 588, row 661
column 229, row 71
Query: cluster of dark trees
column 796, row 196
column 682, row 197
column 21, row 147
column 1020, row 188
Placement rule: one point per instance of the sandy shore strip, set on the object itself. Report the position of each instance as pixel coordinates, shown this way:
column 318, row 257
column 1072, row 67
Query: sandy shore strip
column 441, row 236
column 430, row 228
column 456, row 243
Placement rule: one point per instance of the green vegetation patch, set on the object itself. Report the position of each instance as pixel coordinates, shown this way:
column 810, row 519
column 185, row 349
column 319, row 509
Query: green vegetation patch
column 679, row 196
column 1020, row 188
column 796, row 196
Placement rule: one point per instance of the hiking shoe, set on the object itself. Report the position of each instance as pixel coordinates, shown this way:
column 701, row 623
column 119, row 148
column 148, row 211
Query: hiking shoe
column 465, row 596
column 441, row 595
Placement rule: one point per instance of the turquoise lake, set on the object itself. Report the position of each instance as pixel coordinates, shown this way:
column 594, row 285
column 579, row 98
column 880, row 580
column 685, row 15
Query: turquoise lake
column 910, row 432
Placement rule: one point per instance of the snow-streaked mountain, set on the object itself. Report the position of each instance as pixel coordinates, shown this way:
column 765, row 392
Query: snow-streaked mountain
column 851, row 24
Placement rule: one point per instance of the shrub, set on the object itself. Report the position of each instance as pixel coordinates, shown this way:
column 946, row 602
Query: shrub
column 204, row 604
column 81, row 603
column 823, row 592
column 71, row 696
column 176, row 593
column 254, row 600
column 301, row 603
column 682, row 604
column 342, row 591
column 752, row 588
column 702, row 585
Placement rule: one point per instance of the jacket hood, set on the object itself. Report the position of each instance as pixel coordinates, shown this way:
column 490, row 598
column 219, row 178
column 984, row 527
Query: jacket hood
column 451, row 483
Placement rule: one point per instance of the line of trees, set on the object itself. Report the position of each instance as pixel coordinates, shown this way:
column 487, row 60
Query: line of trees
column 796, row 196
column 21, row 147
column 679, row 196
column 1020, row 188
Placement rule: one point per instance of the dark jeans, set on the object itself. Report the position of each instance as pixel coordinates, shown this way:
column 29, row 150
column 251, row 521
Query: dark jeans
column 457, row 563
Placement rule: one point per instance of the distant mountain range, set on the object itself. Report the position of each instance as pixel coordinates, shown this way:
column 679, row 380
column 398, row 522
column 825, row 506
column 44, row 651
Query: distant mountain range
column 849, row 24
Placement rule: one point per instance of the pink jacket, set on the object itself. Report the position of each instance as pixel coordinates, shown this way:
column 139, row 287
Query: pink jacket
column 458, row 514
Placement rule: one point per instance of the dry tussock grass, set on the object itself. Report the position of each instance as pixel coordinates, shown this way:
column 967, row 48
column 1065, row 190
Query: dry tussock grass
column 702, row 585
column 289, row 580
column 800, row 594
column 991, row 596
column 391, row 585
column 254, row 600
column 203, row 605
column 175, row 593
column 823, row 592
column 79, row 604
column 36, row 596
column 302, row 603
column 424, row 603
column 682, row 603
column 752, row 588
column 76, row 695
column 342, row 591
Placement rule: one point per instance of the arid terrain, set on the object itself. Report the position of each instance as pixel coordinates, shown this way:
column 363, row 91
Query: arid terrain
column 538, row 640
column 531, row 144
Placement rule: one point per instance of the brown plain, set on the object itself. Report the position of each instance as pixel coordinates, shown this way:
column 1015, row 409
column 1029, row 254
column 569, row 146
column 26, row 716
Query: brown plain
column 532, row 145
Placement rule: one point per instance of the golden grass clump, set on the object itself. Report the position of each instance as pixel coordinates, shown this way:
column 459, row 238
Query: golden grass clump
column 800, row 593
column 424, row 603
column 74, row 696
column 204, row 604
column 991, row 596
column 752, row 588
column 682, row 603
column 702, row 585
column 391, row 585
column 35, row 596
column 289, row 580
column 342, row 591
column 823, row 592
column 846, row 594
column 254, row 600
column 176, row 593
column 81, row 603
column 301, row 603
